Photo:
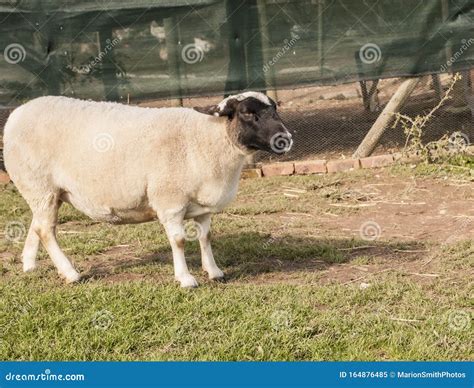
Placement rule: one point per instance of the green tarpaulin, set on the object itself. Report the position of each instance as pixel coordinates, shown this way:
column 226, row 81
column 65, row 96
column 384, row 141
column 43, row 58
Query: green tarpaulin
column 111, row 49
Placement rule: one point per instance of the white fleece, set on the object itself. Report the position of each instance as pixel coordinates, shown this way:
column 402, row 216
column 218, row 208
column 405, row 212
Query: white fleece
column 121, row 163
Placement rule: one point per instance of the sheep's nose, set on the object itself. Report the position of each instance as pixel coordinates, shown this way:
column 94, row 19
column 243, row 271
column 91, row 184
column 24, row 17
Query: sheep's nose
column 286, row 131
column 289, row 136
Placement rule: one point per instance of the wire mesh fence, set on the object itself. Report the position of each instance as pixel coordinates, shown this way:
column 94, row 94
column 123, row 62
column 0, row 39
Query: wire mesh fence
column 330, row 122
column 342, row 58
column 4, row 113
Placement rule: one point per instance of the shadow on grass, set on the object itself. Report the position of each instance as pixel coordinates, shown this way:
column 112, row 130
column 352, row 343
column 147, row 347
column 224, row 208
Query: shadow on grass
column 250, row 254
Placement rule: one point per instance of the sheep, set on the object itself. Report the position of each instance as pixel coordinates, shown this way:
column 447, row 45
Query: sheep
column 127, row 164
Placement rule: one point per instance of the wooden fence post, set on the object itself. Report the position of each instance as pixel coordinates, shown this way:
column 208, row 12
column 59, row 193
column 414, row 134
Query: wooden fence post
column 321, row 36
column 385, row 118
column 268, row 70
column 173, row 60
column 109, row 76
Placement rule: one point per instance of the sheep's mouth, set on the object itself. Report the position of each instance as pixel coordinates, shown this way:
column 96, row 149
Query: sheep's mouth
column 264, row 149
column 279, row 144
column 255, row 147
column 260, row 147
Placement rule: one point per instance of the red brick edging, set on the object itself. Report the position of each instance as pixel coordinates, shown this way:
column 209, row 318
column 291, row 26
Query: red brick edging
column 320, row 166
column 4, row 178
column 306, row 167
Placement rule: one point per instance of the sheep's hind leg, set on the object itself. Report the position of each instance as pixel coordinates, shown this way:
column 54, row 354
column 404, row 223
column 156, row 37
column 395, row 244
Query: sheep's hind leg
column 175, row 231
column 30, row 250
column 208, row 263
column 44, row 224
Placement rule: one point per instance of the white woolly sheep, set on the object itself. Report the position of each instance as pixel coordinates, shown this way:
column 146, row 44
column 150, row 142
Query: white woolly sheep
column 126, row 164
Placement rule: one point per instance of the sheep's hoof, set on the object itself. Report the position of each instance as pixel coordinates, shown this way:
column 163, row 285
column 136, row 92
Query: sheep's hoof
column 72, row 277
column 216, row 275
column 29, row 267
column 187, row 281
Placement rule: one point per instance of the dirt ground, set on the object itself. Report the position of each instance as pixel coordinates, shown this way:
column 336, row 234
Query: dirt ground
column 369, row 265
column 306, row 229
column 405, row 223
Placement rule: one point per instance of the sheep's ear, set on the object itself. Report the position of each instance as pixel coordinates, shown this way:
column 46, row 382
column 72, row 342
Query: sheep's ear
column 212, row 110
column 227, row 109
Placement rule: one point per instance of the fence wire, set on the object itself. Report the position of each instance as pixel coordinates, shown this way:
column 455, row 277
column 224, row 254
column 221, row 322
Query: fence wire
column 330, row 122
column 160, row 53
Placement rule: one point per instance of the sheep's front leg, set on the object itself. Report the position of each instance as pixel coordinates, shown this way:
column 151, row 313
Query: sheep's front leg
column 175, row 232
column 30, row 250
column 44, row 224
column 208, row 263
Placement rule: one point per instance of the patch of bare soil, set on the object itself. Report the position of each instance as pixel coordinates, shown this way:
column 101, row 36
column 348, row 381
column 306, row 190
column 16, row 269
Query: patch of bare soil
column 118, row 263
column 407, row 210
column 345, row 230
column 404, row 224
column 380, row 224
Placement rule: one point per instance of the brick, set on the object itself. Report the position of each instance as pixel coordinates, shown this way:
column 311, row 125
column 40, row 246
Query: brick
column 343, row 165
column 251, row 173
column 412, row 159
column 310, row 167
column 376, row 161
column 4, row 178
column 278, row 169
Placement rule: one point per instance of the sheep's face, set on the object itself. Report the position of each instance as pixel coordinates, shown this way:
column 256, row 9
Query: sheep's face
column 255, row 122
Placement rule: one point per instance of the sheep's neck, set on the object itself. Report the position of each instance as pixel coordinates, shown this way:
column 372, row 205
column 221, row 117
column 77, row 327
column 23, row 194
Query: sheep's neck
column 233, row 129
column 232, row 153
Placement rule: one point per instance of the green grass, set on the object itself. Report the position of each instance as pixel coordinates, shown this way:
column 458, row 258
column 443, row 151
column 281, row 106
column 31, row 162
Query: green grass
column 147, row 321
column 456, row 166
column 281, row 302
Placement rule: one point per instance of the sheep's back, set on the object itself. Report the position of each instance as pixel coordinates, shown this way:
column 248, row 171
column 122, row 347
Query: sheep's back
column 106, row 152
